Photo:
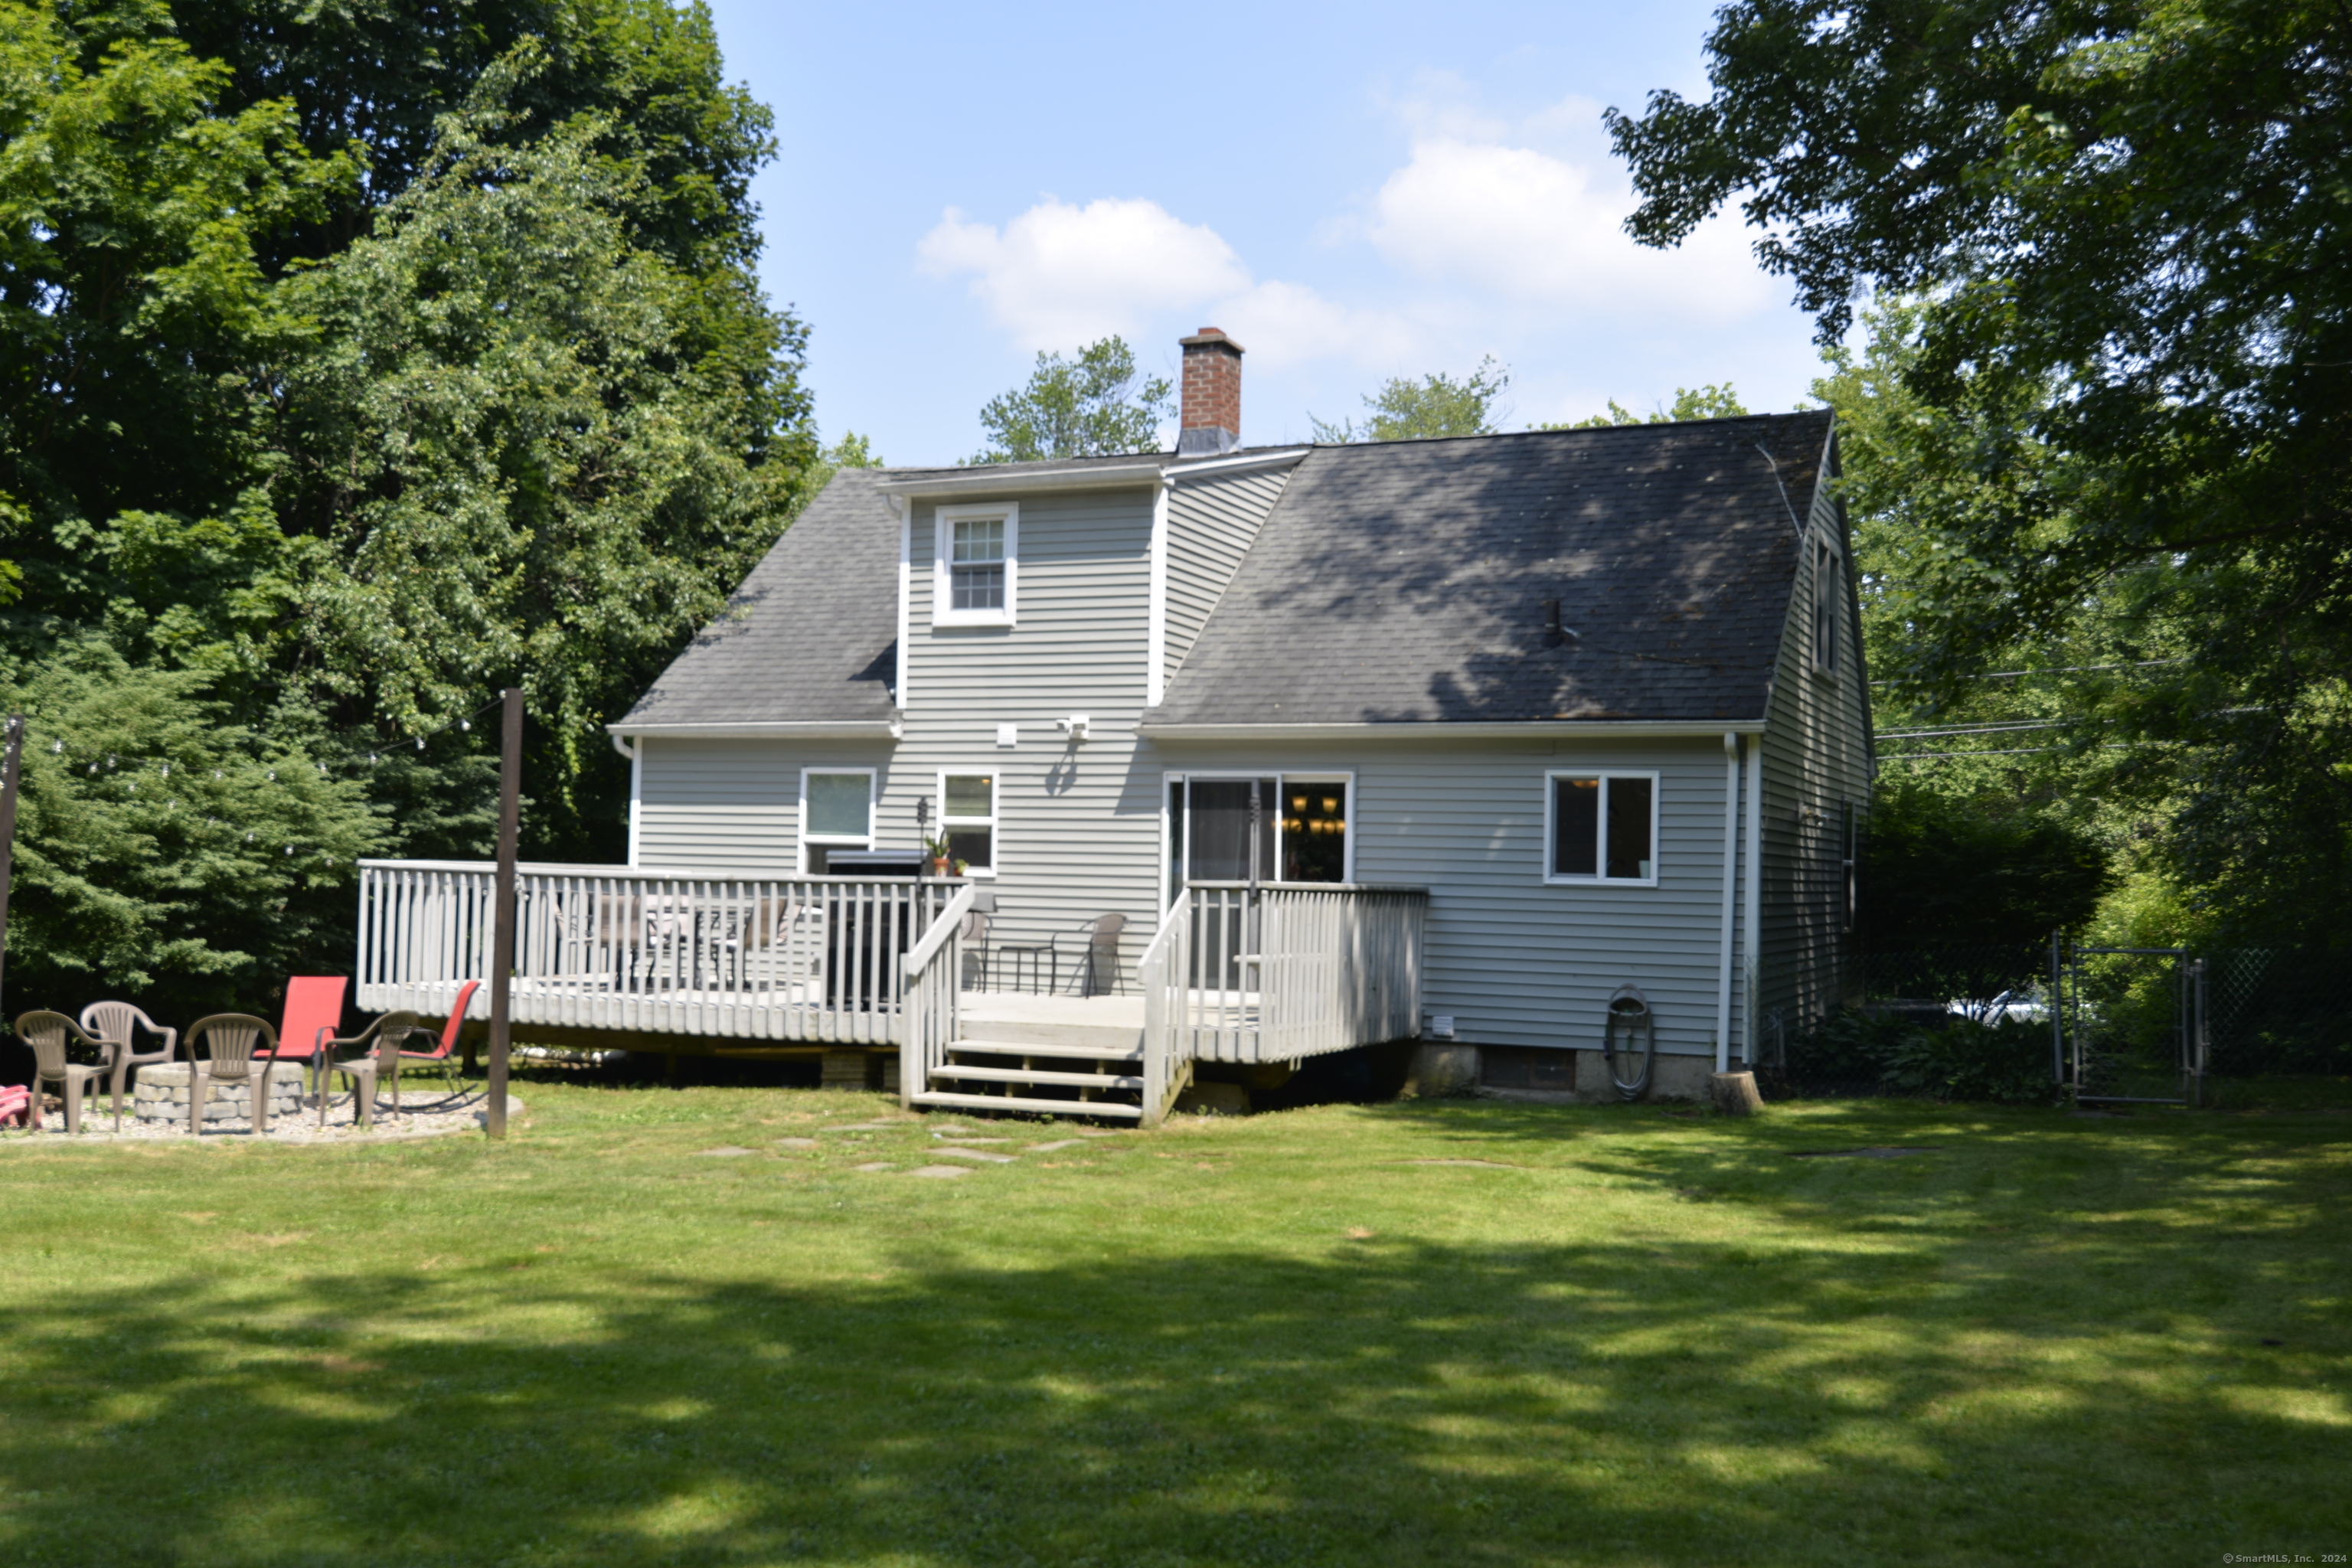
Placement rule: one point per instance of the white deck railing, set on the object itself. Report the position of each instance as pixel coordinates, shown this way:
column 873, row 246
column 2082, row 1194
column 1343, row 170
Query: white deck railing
column 773, row 958
column 1299, row 970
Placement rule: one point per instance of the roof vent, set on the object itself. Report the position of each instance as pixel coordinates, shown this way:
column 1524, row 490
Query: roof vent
column 1555, row 634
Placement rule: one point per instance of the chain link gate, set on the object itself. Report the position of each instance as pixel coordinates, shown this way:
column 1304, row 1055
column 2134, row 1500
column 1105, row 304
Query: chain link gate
column 2130, row 1027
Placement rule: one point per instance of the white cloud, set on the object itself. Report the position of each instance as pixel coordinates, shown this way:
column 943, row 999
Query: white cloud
column 1283, row 324
column 1058, row 276
column 1527, row 226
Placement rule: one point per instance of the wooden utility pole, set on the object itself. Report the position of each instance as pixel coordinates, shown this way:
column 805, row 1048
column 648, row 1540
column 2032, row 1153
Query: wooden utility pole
column 8, row 773
column 502, row 932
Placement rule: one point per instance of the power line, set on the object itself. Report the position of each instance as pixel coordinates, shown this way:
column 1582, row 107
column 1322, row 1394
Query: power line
column 2054, row 670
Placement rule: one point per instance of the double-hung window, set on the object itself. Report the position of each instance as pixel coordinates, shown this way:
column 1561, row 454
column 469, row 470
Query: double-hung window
column 1602, row 826
column 836, row 813
column 968, row 820
column 975, row 576
column 1829, row 595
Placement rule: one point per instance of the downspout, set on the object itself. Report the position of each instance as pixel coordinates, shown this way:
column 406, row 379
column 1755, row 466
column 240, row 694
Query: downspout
column 1751, row 939
column 1155, row 635
column 637, row 756
column 906, row 511
column 1730, row 881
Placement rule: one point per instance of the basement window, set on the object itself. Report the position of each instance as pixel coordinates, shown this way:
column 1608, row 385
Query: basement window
column 1601, row 827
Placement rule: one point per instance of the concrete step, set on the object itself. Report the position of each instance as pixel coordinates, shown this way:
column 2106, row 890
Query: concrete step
column 1032, row 1075
column 1125, row 1057
column 1041, row 1107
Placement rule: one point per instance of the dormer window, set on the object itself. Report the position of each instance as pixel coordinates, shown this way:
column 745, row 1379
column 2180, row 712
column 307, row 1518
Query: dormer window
column 974, row 582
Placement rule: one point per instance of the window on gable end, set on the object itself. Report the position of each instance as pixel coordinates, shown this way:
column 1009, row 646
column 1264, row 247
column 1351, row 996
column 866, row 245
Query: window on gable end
column 974, row 580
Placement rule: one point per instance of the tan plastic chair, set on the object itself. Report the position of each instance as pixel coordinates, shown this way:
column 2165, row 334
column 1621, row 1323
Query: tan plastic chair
column 116, row 1023
column 229, row 1041
column 51, row 1035
column 1101, row 958
column 383, row 1038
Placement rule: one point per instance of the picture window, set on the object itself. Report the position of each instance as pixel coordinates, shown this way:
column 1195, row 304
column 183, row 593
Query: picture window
column 1603, row 828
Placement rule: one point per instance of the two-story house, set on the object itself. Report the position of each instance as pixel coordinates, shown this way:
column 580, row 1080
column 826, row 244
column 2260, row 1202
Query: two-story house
column 1530, row 726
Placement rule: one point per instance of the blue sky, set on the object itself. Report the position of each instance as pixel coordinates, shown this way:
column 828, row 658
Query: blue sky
column 1353, row 192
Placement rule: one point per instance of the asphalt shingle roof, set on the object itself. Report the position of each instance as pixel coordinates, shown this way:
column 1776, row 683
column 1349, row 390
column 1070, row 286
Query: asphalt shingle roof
column 1398, row 581
column 812, row 635
column 1407, row 580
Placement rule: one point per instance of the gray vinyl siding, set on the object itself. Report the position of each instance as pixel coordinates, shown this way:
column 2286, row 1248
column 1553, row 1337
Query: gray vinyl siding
column 1816, row 759
column 732, row 807
column 1077, row 832
column 1514, row 960
column 1211, row 522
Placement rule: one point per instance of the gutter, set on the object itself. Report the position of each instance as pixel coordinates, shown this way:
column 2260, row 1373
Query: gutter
column 782, row 730
column 984, row 481
column 1186, row 470
column 1442, row 729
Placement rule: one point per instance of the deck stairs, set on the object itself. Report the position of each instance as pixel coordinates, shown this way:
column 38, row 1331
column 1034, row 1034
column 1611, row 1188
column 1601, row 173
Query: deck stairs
column 1042, row 1056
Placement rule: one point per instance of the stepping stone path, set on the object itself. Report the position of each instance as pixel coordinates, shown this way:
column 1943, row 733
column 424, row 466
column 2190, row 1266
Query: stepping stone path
column 1057, row 1143
column 876, row 1166
column 724, row 1152
column 796, row 1144
column 865, row 1126
column 987, row 1156
column 965, row 1138
column 941, row 1172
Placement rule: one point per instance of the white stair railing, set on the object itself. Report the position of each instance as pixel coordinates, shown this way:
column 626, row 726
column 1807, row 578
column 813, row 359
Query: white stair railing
column 1163, row 975
column 796, row 957
column 933, row 978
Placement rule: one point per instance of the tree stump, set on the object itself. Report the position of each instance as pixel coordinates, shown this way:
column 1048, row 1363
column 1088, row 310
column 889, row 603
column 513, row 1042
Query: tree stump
column 1734, row 1093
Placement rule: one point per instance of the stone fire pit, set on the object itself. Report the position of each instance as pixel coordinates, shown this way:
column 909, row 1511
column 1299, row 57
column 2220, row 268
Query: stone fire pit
column 160, row 1095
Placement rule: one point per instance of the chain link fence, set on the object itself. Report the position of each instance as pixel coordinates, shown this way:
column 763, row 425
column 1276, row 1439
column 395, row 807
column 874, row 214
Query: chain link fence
column 1974, row 1024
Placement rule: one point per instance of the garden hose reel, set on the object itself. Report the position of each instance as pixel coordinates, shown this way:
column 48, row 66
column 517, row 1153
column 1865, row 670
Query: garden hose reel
column 1629, row 1028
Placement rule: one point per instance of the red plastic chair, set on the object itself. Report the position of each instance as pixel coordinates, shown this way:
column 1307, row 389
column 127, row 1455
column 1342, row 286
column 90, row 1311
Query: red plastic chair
column 445, row 1054
column 314, row 1014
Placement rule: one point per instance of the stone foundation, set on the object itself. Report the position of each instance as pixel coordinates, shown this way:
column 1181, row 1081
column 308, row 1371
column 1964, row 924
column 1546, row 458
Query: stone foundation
column 160, row 1094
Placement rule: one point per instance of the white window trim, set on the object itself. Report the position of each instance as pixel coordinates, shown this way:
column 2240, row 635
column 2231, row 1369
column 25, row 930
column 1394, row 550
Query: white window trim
column 943, row 613
column 804, row 839
column 1603, row 772
column 994, row 821
column 1282, row 779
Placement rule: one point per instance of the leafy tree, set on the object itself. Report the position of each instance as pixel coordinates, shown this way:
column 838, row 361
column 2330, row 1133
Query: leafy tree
column 1947, row 870
column 162, row 850
column 515, row 471
column 1690, row 402
column 1091, row 406
column 2122, row 222
column 1437, row 404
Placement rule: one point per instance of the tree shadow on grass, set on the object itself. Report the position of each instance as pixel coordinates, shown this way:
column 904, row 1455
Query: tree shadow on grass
column 1637, row 1400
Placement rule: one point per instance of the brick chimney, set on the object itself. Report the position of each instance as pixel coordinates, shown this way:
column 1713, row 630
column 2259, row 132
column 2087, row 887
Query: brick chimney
column 1213, row 395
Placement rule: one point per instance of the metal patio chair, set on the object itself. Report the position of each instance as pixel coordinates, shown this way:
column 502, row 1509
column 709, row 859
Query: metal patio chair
column 1102, row 955
column 115, row 1023
column 52, row 1035
column 230, row 1042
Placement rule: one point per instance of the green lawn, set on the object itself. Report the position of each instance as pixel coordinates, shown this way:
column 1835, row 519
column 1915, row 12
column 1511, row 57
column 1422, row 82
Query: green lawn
column 1650, row 1338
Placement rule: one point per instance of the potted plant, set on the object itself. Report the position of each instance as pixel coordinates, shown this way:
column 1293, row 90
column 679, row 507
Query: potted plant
column 937, row 848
